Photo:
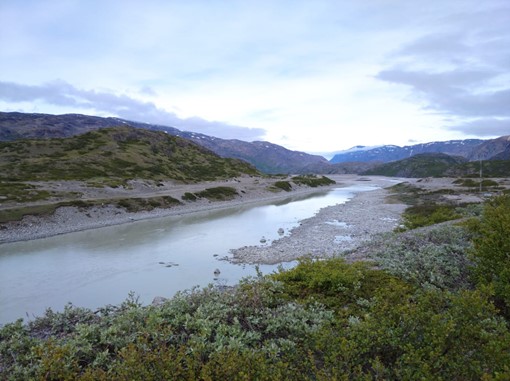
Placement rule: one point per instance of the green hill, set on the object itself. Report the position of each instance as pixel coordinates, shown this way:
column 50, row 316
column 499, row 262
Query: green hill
column 422, row 165
column 441, row 165
column 115, row 154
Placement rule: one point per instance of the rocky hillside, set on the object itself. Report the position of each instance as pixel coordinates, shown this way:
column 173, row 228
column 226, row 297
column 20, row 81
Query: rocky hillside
column 490, row 149
column 119, row 153
column 266, row 157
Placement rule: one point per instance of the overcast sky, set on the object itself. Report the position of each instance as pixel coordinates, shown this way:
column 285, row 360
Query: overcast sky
column 311, row 75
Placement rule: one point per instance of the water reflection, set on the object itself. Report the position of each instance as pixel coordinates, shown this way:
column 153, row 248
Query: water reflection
column 98, row 267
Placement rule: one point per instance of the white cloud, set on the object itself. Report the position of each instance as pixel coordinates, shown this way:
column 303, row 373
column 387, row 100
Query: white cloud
column 60, row 93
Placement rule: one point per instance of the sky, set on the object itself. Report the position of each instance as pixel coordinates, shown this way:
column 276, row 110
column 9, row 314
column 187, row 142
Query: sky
column 311, row 75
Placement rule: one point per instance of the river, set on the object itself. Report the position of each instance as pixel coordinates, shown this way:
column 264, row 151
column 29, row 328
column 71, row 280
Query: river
column 151, row 258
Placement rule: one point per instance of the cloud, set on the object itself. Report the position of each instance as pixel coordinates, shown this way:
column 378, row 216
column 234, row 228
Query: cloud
column 61, row 93
column 464, row 93
column 485, row 127
column 460, row 70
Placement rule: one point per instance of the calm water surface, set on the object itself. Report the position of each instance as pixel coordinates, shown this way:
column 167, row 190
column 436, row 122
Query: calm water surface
column 98, row 267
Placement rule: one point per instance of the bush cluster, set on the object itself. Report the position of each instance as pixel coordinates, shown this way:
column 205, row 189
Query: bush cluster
column 491, row 252
column 218, row 193
column 312, row 180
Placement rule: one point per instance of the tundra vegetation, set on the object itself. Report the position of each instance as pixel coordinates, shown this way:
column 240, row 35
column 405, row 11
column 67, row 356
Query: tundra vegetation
column 431, row 301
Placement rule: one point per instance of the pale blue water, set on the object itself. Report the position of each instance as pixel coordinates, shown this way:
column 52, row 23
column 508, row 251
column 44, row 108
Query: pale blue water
column 98, row 267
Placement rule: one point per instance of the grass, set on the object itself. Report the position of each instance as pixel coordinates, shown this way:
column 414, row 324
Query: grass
column 428, row 207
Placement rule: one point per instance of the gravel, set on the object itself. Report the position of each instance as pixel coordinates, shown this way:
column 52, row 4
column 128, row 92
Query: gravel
column 331, row 231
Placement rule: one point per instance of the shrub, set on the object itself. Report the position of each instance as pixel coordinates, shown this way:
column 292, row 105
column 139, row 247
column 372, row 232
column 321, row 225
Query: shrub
column 189, row 197
column 312, row 180
column 436, row 258
column 284, row 185
column 491, row 252
column 428, row 214
column 218, row 193
column 433, row 335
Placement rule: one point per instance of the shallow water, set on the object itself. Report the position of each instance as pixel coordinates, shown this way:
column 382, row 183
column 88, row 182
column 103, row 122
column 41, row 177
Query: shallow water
column 155, row 257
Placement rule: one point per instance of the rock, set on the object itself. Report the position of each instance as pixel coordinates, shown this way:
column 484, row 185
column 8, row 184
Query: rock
column 158, row 300
column 263, row 240
column 281, row 231
column 217, row 272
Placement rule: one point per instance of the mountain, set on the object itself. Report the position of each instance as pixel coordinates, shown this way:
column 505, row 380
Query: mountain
column 265, row 156
column 441, row 165
column 503, row 155
column 390, row 153
column 115, row 154
column 490, row 148
column 420, row 165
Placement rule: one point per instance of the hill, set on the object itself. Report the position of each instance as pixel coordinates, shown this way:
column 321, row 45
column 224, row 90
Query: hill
column 441, row 165
column 115, row 154
column 421, row 165
column 265, row 156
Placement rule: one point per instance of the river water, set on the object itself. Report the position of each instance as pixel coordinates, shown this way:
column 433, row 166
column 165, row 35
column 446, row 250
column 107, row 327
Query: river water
column 151, row 258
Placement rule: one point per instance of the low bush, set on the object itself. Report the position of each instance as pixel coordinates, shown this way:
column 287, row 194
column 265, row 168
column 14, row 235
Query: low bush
column 436, row 258
column 189, row 197
column 312, row 180
column 283, row 185
column 428, row 214
column 491, row 253
column 218, row 193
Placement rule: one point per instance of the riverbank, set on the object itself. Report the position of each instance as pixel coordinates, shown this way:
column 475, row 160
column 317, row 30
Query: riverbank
column 332, row 230
column 72, row 219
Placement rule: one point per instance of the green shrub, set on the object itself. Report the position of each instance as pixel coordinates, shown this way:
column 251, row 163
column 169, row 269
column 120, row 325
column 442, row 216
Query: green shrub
column 434, row 335
column 428, row 214
column 436, row 258
column 312, row 180
column 340, row 286
column 189, row 197
column 491, row 253
column 284, row 185
column 218, row 193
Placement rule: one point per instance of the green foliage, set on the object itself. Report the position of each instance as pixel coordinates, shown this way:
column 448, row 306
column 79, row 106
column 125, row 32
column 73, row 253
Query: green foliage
column 433, row 335
column 312, row 180
column 218, row 193
column 188, row 334
column 189, row 197
column 476, row 184
column 21, row 192
column 428, row 214
column 435, row 258
column 283, row 185
column 337, row 284
column 135, row 204
column 492, row 250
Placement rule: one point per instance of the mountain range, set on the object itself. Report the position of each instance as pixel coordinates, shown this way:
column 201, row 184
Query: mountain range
column 387, row 153
column 266, row 157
